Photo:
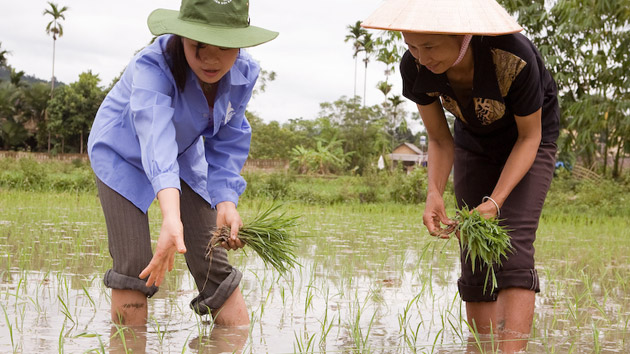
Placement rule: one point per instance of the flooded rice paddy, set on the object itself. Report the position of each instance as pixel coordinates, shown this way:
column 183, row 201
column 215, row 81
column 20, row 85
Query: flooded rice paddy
column 372, row 281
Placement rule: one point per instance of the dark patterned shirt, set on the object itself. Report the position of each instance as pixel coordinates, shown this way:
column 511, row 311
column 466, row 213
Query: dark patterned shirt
column 509, row 79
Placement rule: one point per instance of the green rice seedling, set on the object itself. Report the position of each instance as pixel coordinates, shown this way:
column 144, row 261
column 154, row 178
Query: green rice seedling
column 62, row 337
column 65, row 310
column 411, row 339
column 326, row 325
column 87, row 294
column 484, row 240
column 268, row 235
column 9, row 326
column 159, row 331
column 306, row 345
column 403, row 319
column 437, row 336
column 359, row 337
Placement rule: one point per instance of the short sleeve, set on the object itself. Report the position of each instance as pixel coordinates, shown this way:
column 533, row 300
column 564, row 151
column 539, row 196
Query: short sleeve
column 525, row 95
column 409, row 72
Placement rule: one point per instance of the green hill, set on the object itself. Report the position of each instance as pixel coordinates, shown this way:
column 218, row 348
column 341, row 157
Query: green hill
column 5, row 75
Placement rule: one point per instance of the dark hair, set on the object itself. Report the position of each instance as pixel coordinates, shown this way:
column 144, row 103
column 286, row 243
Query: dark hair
column 177, row 62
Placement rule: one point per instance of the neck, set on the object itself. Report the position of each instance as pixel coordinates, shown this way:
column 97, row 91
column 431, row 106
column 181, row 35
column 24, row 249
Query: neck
column 210, row 91
column 463, row 69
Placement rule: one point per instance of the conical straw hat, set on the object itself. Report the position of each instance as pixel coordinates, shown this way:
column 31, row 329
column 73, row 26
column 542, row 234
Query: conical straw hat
column 477, row 17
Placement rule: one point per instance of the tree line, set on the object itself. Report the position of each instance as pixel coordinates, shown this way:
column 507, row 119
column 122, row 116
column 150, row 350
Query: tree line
column 584, row 44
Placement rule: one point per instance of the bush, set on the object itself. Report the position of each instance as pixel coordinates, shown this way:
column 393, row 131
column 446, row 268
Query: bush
column 570, row 195
column 29, row 175
column 273, row 185
column 409, row 188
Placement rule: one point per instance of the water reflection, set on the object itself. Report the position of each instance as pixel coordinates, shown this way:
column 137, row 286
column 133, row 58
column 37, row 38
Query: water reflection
column 123, row 340
column 369, row 282
column 221, row 340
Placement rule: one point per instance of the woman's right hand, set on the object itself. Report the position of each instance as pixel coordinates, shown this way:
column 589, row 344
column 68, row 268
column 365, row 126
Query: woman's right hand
column 171, row 238
column 435, row 216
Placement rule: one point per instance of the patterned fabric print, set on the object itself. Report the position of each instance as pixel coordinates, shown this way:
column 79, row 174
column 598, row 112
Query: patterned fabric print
column 451, row 105
column 488, row 111
column 507, row 66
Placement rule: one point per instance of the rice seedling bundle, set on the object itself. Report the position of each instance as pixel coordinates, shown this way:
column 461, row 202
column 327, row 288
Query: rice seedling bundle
column 484, row 241
column 269, row 234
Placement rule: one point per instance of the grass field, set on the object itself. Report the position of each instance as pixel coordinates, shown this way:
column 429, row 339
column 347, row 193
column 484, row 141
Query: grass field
column 372, row 281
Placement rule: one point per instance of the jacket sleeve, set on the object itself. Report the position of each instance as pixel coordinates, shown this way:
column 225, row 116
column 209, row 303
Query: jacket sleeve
column 152, row 119
column 226, row 153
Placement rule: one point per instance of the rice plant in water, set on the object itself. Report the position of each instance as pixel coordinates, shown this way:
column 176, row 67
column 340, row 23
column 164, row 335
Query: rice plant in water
column 483, row 240
column 269, row 234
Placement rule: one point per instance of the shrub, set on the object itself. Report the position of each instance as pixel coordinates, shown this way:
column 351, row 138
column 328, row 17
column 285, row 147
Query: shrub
column 409, row 188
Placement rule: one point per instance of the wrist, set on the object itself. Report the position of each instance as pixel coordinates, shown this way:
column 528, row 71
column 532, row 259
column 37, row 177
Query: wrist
column 496, row 205
column 226, row 205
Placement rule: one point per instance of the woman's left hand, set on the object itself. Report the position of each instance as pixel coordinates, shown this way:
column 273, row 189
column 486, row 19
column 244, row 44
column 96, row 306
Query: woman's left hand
column 227, row 215
column 487, row 209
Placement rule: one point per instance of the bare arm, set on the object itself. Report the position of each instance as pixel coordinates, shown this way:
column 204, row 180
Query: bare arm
column 518, row 163
column 440, row 163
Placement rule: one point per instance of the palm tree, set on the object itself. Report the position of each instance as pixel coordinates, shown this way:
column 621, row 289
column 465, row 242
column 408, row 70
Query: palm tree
column 356, row 34
column 368, row 47
column 3, row 56
column 16, row 78
column 56, row 29
column 385, row 88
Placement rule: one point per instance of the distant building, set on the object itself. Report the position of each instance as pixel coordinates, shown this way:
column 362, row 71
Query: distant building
column 409, row 155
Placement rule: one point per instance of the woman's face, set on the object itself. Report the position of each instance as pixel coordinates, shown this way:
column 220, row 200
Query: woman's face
column 435, row 51
column 208, row 62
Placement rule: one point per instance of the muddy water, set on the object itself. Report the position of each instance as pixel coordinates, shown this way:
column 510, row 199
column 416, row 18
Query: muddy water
column 369, row 283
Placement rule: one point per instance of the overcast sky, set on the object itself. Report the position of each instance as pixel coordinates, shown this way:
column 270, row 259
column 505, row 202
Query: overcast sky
column 312, row 62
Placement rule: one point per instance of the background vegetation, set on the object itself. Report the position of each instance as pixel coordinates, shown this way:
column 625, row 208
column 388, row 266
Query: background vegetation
column 568, row 193
column 584, row 44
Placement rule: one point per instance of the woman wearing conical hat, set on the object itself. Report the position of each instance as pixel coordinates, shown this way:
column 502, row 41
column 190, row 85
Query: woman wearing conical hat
column 467, row 56
column 174, row 128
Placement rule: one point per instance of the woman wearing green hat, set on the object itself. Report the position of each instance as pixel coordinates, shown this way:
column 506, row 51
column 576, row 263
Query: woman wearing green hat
column 467, row 57
column 174, row 127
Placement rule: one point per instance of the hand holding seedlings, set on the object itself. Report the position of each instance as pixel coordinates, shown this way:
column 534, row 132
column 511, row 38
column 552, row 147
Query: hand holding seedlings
column 227, row 216
column 435, row 216
column 483, row 240
column 268, row 235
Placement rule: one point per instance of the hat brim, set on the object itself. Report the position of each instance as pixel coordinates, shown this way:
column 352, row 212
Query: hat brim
column 478, row 17
column 163, row 21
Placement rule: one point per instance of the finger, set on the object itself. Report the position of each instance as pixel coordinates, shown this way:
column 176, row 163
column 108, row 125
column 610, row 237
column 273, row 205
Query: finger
column 234, row 230
column 145, row 272
column 159, row 279
column 179, row 243
column 151, row 279
column 171, row 262
column 446, row 221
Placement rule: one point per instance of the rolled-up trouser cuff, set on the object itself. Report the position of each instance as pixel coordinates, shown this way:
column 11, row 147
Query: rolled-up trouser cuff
column 519, row 278
column 124, row 282
column 205, row 303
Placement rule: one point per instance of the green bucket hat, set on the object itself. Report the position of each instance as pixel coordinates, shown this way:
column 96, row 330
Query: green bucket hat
column 222, row 23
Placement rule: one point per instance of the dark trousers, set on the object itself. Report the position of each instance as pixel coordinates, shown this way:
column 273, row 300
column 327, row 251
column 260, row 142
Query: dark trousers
column 130, row 248
column 475, row 176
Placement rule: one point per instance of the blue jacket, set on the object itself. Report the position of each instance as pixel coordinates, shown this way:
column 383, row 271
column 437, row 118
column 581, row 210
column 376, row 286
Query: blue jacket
column 148, row 134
